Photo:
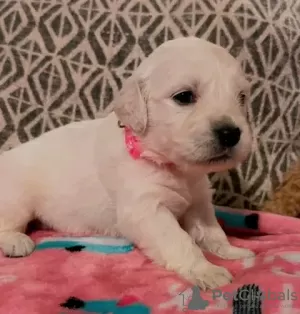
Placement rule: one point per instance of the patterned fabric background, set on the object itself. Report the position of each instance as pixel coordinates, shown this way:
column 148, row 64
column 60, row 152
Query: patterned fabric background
column 63, row 60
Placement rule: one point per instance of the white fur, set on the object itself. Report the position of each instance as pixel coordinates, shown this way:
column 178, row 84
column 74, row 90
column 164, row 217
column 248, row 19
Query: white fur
column 80, row 178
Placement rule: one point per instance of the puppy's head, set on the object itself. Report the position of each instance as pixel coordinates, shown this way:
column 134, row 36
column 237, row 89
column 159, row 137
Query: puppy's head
column 187, row 103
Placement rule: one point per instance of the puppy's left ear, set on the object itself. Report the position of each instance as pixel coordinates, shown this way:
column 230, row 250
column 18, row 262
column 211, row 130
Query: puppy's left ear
column 130, row 106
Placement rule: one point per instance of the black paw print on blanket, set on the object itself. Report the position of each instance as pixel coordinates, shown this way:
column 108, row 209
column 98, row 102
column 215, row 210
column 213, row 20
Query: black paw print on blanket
column 75, row 248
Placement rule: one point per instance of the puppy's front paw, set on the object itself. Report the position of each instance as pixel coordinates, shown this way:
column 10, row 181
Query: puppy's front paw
column 15, row 244
column 231, row 252
column 210, row 276
column 220, row 246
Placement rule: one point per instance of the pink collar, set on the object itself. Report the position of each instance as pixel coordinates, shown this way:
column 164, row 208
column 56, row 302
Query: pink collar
column 134, row 149
column 132, row 144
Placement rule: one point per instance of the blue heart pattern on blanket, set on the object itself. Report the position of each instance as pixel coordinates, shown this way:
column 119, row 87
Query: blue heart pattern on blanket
column 106, row 306
column 105, row 245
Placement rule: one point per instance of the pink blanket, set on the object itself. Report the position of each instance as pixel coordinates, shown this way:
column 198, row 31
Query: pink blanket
column 109, row 276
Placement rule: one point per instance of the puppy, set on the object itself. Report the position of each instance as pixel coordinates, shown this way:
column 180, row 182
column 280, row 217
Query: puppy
column 184, row 112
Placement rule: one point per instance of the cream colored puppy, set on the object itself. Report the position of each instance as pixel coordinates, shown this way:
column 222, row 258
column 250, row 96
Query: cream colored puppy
column 186, row 106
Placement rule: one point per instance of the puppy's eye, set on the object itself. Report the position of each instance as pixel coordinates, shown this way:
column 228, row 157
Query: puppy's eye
column 242, row 98
column 185, row 98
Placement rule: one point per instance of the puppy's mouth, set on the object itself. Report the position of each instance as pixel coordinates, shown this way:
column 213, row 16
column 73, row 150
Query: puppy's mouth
column 219, row 158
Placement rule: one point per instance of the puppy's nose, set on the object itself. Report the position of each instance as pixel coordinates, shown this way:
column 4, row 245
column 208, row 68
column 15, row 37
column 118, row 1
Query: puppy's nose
column 228, row 135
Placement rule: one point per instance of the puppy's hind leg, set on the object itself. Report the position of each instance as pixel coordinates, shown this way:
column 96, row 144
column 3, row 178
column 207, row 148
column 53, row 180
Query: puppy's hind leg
column 13, row 241
column 14, row 218
column 15, row 244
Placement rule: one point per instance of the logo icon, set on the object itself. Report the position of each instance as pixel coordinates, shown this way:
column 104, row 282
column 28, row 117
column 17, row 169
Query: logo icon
column 196, row 302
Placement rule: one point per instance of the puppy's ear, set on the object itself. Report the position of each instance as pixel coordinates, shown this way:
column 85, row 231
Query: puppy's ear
column 130, row 106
